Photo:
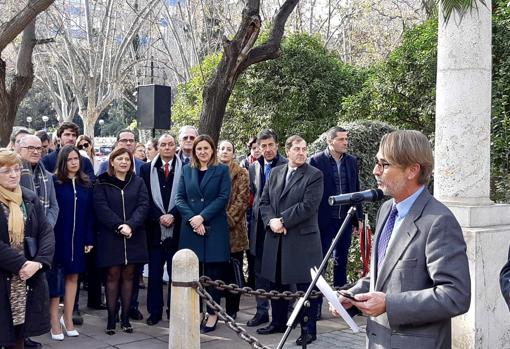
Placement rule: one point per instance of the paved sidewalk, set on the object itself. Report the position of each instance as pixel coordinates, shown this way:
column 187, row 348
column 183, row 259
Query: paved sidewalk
column 332, row 333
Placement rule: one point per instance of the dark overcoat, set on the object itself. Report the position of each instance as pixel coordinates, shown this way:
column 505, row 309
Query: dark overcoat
column 115, row 206
column 75, row 226
column 37, row 316
column 208, row 199
column 504, row 281
column 297, row 203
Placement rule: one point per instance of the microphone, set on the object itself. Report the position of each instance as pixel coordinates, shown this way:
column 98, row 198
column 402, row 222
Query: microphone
column 356, row 198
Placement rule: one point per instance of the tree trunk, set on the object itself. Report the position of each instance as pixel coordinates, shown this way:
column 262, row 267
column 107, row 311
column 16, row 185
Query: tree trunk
column 238, row 54
column 215, row 97
column 89, row 118
column 20, row 84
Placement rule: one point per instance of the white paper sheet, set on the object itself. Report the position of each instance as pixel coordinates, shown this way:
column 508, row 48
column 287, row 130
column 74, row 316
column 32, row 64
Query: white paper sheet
column 331, row 296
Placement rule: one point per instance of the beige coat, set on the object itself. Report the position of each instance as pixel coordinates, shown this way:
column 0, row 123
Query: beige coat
column 236, row 210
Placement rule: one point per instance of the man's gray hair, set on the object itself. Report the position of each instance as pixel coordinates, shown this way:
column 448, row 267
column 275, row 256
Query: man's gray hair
column 186, row 127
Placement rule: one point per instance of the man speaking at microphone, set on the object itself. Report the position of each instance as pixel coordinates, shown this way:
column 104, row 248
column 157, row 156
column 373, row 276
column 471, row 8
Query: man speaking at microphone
column 419, row 276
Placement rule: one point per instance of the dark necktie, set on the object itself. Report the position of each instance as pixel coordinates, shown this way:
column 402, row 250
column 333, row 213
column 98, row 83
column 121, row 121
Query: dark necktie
column 186, row 160
column 167, row 170
column 385, row 236
column 290, row 173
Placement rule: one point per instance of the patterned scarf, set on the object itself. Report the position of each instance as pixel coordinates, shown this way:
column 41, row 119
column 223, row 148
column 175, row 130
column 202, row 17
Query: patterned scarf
column 37, row 181
column 16, row 225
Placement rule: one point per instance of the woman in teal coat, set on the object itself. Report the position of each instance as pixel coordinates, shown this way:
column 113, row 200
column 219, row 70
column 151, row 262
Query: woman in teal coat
column 202, row 198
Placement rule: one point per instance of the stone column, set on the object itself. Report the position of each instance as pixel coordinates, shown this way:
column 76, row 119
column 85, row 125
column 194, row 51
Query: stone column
column 462, row 171
column 463, row 108
column 184, row 310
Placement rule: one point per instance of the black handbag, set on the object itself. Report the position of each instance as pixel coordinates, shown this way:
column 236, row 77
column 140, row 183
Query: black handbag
column 237, row 272
column 30, row 245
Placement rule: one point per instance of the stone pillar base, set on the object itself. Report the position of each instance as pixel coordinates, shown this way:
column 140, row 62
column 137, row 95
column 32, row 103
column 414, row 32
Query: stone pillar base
column 487, row 234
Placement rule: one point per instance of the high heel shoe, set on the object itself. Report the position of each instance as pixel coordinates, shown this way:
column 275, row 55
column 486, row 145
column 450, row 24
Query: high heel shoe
column 126, row 326
column 206, row 329
column 110, row 327
column 57, row 337
column 72, row 333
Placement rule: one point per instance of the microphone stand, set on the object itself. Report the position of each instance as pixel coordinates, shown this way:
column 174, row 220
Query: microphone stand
column 303, row 301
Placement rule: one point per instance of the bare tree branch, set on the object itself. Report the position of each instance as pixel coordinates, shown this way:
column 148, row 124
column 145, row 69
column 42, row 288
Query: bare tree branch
column 11, row 29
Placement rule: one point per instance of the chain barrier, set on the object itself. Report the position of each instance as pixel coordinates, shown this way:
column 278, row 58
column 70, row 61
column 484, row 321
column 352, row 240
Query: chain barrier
column 260, row 293
column 229, row 321
column 206, row 281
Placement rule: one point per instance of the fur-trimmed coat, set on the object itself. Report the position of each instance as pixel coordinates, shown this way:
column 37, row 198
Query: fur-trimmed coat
column 237, row 206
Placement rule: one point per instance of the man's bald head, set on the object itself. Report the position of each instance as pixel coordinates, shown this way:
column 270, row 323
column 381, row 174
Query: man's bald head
column 166, row 147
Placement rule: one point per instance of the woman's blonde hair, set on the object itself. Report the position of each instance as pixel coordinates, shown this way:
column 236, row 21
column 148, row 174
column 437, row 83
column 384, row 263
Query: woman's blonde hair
column 9, row 158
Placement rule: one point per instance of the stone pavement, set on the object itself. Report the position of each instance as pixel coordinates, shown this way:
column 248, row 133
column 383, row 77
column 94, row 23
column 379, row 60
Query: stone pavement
column 332, row 332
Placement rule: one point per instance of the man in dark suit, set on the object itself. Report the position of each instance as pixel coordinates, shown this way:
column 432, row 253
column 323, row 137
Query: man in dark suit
column 67, row 134
column 419, row 277
column 289, row 209
column 340, row 171
column 125, row 139
column 504, row 281
column 161, row 176
column 259, row 174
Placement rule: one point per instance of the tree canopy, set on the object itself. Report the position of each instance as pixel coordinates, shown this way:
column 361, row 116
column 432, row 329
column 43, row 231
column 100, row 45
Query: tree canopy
column 300, row 93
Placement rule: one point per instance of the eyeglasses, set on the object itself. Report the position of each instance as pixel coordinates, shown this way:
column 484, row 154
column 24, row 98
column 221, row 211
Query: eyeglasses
column 188, row 138
column 84, row 145
column 16, row 170
column 381, row 165
column 32, row 149
column 124, row 140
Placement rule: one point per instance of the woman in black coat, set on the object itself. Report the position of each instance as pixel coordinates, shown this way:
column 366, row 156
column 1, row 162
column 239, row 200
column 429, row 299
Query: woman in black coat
column 121, row 204
column 22, row 222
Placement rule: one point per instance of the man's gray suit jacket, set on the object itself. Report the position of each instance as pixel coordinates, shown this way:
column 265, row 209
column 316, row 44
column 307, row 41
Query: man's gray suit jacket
column 425, row 276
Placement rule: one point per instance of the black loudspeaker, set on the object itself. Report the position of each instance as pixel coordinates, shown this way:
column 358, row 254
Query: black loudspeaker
column 154, row 107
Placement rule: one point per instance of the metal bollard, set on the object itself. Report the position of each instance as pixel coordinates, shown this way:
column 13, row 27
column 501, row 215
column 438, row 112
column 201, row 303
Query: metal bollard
column 184, row 308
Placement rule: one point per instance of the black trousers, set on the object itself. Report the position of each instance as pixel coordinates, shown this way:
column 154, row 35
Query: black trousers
column 216, row 271
column 232, row 300
column 280, row 307
column 158, row 255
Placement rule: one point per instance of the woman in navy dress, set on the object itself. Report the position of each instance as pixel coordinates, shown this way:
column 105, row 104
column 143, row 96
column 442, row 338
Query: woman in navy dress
column 74, row 236
column 202, row 198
